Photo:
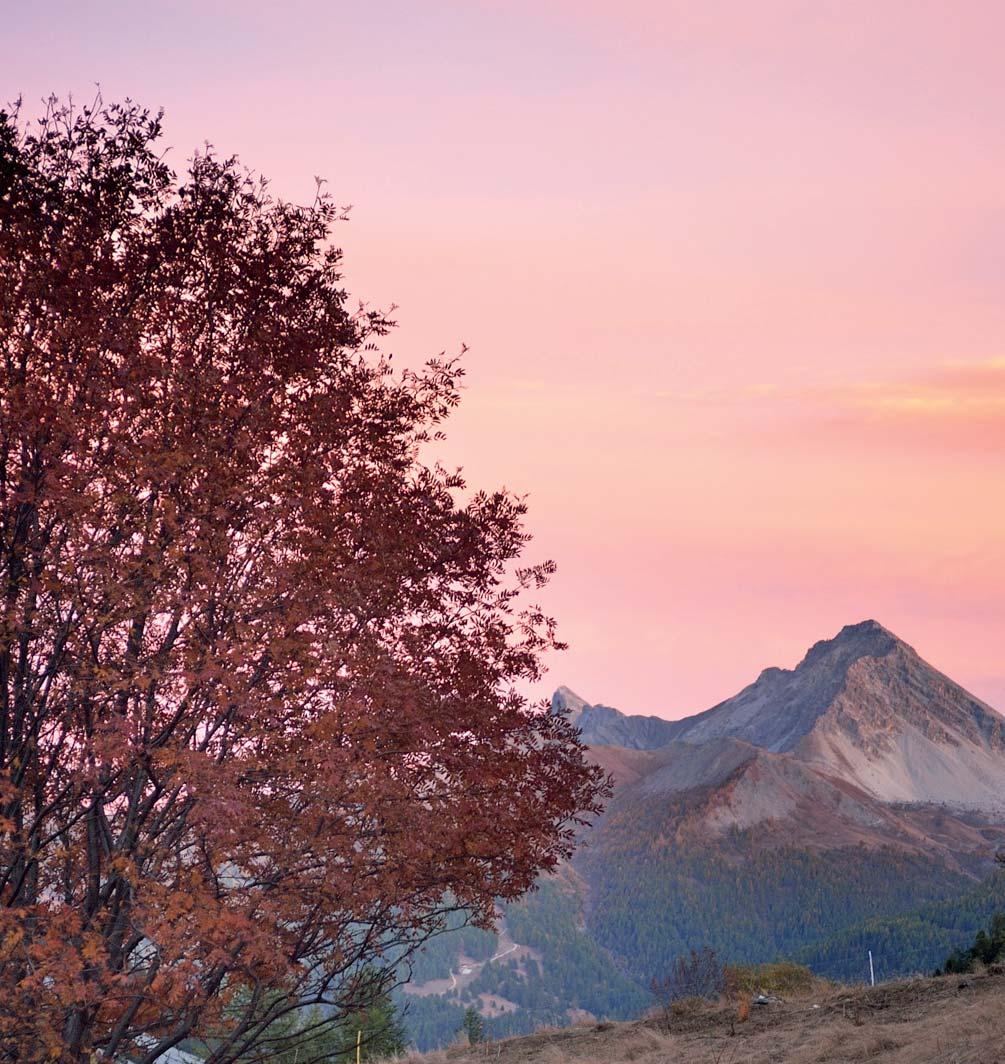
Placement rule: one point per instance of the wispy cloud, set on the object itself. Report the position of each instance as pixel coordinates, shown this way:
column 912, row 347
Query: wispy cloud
column 955, row 390
column 950, row 390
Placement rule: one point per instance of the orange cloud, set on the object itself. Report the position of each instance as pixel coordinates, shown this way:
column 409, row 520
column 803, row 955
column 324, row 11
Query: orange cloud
column 960, row 390
column 961, row 401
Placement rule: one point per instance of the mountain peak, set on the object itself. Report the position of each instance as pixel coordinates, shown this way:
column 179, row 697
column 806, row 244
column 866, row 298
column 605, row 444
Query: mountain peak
column 566, row 696
column 566, row 702
column 600, row 725
column 782, row 705
column 868, row 625
column 868, row 630
column 867, row 639
column 863, row 705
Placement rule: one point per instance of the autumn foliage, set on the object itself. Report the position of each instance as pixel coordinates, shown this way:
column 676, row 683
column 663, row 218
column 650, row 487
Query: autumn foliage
column 259, row 718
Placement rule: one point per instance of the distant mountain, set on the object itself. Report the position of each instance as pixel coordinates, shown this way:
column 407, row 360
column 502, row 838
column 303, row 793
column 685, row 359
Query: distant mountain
column 781, row 705
column 602, row 726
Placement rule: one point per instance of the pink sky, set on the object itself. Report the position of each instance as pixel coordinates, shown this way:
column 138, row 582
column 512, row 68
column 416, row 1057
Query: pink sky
column 731, row 275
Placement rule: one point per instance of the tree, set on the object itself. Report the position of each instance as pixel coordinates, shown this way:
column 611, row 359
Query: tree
column 378, row 1029
column 473, row 1026
column 382, row 1032
column 296, row 1036
column 306, row 1035
column 988, row 948
column 260, row 710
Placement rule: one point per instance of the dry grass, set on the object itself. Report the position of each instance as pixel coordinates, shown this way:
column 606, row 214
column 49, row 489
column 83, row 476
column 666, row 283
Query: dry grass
column 922, row 1021
column 783, row 979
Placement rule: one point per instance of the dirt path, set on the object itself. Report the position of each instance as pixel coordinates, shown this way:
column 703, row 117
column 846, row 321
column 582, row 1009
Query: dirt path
column 473, row 969
column 505, row 952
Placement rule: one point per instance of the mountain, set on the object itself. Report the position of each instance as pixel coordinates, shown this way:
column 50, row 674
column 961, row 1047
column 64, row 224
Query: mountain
column 603, row 726
column 781, row 705
column 862, row 707
column 854, row 802
column 853, row 788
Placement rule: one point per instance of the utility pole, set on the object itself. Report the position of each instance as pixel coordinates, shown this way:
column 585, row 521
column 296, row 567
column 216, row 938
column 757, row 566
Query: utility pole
column 872, row 974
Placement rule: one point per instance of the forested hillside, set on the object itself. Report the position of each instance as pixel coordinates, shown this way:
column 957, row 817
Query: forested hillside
column 649, row 907
column 753, row 913
column 575, row 970
column 566, row 971
column 915, row 942
column 439, row 955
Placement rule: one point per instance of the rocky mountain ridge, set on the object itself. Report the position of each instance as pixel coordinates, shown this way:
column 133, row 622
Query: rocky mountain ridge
column 862, row 709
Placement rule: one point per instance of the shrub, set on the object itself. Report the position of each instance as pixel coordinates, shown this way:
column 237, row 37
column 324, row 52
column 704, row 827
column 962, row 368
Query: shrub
column 783, row 977
column 693, row 978
column 743, row 1008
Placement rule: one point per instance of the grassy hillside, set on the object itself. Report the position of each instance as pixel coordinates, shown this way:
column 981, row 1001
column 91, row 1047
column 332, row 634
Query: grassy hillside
column 921, row 1021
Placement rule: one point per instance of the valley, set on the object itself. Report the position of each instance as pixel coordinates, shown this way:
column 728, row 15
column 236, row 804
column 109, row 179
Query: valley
column 468, row 971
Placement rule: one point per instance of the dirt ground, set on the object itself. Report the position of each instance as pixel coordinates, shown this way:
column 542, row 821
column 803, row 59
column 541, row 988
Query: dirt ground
column 953, row 1020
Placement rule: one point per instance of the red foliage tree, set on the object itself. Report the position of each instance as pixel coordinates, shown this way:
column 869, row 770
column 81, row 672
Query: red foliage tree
column 259, row 724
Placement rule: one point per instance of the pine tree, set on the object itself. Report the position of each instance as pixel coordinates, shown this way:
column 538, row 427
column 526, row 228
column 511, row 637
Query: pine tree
column 473, row 1026
column 382, row 1031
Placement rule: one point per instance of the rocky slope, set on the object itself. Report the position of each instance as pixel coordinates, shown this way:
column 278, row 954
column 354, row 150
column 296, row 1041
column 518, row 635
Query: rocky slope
column 711, row 790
